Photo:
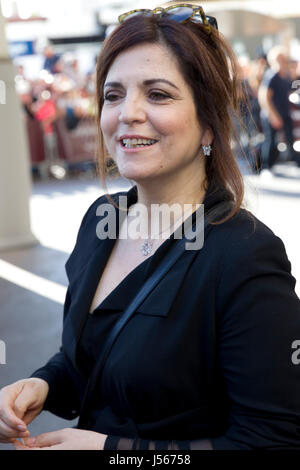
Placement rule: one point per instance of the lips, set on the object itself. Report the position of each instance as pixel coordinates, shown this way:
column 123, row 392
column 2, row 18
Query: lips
column 135, row 148
column 135, row 136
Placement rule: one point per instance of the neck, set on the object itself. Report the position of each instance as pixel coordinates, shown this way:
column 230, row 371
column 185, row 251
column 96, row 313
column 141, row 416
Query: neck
column 282, row 72
column 176, row 197
column 188, row 188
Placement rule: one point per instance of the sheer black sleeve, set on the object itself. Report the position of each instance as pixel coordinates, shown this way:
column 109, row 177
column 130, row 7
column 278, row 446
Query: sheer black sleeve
column 124, row 443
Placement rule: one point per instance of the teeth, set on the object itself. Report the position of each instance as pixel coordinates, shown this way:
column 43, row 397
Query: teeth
column 134, row 142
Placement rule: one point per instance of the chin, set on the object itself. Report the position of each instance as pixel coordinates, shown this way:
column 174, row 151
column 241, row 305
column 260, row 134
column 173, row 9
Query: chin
column 136, row 172
column 135, row 176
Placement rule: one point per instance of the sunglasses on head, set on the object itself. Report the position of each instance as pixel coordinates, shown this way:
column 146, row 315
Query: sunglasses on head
column 180, row 13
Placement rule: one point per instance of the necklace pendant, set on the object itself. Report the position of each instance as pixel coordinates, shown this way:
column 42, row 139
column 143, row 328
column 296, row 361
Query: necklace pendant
column 146, row 247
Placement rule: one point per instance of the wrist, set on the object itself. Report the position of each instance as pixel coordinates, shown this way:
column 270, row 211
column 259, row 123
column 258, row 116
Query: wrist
column 111, row 442
column 101, row 439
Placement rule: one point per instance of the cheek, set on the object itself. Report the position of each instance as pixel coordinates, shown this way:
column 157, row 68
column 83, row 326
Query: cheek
column 175, row 124
column 108, row 123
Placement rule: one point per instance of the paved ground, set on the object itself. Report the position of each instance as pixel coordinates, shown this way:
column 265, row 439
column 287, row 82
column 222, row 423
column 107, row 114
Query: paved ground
column 32, row 280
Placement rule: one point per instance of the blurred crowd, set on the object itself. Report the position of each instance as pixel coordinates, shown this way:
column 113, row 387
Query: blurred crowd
column 270, row 106
column 270, row 130
column 60, row 93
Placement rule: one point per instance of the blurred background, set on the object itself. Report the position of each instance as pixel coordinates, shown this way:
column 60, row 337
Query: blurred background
column 48, row 178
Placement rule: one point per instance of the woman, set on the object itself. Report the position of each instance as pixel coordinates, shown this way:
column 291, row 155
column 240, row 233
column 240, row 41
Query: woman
column 205, row 360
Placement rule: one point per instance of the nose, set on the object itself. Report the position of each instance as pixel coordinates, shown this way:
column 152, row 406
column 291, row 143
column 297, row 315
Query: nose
column 132, row 110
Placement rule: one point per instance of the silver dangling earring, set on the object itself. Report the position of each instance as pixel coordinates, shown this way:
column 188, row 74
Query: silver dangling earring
column 206, row 150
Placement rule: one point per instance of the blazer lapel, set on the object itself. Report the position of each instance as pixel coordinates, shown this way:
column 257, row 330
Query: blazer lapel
column 84, row 279
column 82, row 290
column 161, row 298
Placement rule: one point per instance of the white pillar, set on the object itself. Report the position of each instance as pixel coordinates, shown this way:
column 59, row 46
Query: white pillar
column 15, row 180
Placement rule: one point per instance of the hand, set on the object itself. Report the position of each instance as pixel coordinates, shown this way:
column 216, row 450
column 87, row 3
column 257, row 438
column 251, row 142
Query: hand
column 64, row 439
column 276, row 121
column 20, row 403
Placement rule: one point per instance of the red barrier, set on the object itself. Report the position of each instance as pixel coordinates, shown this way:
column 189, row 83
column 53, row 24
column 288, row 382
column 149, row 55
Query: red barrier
column 77, row 145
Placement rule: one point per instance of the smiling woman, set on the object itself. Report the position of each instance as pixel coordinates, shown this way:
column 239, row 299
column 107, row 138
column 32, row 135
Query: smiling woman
column 150, row 125
column 169, row 81
column 164, row 347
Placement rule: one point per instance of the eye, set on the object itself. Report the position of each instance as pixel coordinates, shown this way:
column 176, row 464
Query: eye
column 158, row 95
column 111, row 97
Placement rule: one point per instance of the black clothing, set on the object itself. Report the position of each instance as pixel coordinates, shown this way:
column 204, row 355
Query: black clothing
column 281, row 87
column 207, row 354
column 104, row 316
column 269, row 150
column 94, row 334
column 50, row 63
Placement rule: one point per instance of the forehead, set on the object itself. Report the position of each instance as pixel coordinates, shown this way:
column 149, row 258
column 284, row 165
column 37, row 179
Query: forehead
column 143, row 60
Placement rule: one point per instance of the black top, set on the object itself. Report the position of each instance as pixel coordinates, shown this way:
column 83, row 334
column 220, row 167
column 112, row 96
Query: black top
column 99, row 323
column 97, row 326
column 281, row 88
column 211, row 353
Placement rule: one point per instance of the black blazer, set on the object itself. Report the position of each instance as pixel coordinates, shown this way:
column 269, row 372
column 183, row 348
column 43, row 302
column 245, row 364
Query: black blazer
column 209, row 354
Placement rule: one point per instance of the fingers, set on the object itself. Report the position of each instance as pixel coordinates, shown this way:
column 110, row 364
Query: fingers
column 8, row 417
column 21, row 446
column 7, row 432
column 39, row 442
column 45, row 440
column 21, row 403
column 11, row 426
column 24, row 401
column 8, row 440
column 17, row 408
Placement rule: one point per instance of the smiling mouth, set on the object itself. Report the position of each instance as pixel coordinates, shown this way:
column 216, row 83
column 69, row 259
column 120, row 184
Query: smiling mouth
column 137, row 143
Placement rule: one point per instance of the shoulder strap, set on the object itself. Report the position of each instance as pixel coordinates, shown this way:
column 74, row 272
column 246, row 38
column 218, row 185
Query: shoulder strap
column 168, row 261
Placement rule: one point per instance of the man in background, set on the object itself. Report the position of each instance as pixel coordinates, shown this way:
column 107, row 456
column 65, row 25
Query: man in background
column 273, row 98
column 51, row 62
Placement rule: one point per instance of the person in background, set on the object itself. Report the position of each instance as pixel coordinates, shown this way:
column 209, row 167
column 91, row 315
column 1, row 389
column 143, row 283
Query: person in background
column 258, row 68
column 261, row 66
column 45, row 112
column 273, row 97
column 72, row 70
column 294, row 69
column 51, row 60
column 249, row 108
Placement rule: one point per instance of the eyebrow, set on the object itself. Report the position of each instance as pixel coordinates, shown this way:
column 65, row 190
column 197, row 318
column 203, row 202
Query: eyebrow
column 151, row 81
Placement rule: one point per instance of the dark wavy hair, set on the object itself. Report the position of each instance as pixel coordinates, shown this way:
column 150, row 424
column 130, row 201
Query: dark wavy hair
column 208, row 66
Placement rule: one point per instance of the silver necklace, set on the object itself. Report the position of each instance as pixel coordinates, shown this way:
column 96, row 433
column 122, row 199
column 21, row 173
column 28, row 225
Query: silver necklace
column 147, row 245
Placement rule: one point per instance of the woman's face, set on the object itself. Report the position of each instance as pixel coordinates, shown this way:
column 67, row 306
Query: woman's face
column 146, row 97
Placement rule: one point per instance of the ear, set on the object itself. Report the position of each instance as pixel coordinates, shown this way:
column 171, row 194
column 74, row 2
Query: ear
column 207, row 136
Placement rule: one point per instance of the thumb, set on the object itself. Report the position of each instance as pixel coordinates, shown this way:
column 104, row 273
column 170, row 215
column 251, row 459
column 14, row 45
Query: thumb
column 23, row 401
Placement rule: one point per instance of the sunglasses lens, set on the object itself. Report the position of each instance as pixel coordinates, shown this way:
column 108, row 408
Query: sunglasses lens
column 197, row 18
column 179, row 13
column 212, row 21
